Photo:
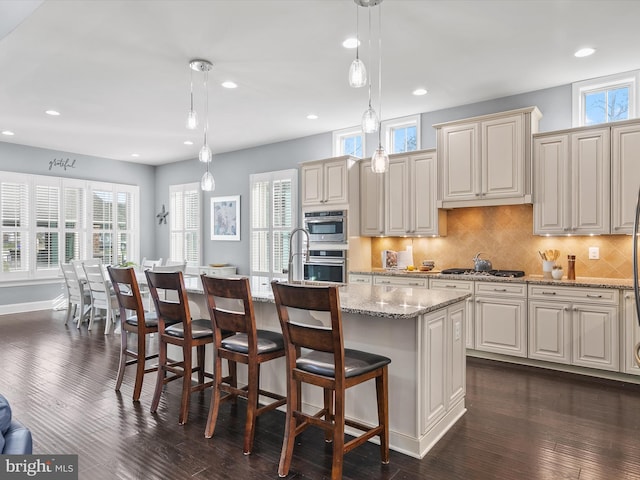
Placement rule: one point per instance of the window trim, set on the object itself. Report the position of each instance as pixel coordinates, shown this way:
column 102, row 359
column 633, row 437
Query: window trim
column 578, row 89
column 339, row 135
column 408, row 121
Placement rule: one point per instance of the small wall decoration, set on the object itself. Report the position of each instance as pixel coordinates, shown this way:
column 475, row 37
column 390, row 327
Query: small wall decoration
column 62, row 163
column 162, row 216
column 225, row 218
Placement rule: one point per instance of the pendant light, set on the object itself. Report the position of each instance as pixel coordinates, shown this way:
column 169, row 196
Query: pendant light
column 369, row 117
column 357, row 70
column 207, row 183
column 380, row 159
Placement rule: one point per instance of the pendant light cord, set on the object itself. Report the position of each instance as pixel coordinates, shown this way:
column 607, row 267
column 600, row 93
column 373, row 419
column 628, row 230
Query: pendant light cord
column 380, row 74
column 191, row 81
column 370, row 57
column 357, row 33
column 206, row 108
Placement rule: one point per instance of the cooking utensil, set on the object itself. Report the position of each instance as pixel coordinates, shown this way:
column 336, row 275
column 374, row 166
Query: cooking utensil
column 480, row 264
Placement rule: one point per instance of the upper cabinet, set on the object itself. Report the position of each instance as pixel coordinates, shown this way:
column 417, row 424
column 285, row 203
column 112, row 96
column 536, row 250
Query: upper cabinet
column 329, row 182
column 486, row 160
column 402, row 201
column 572, row 182
column 625, row 175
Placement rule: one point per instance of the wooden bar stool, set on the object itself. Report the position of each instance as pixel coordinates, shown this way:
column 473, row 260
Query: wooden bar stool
column 139, row 322
column 330, row 366
column 176, row 327
column 238, row 341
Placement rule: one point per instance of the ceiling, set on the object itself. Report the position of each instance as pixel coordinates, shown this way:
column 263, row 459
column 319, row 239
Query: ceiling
column 117, row 71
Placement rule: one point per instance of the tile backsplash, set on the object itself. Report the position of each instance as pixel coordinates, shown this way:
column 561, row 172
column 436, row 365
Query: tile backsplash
column 504, row 236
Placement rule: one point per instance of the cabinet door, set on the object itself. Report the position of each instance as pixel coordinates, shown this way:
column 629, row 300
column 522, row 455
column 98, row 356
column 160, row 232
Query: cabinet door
column 433, row 390
column 550, row 331
column 590, row 177
column 335, row 182
column 551, row 213
column 625, row 170
column 630, row 334
column 460, row 165
column 502, row 157
column 500, row 326
column 456, row 371
column 423, row 189
column 371, row 201
column 464, row 286
column 595, row 337
column 397, row 198
column 312, row 184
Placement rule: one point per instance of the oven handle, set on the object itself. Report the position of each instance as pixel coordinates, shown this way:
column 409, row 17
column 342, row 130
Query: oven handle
column 323, row 219
column 326, row 261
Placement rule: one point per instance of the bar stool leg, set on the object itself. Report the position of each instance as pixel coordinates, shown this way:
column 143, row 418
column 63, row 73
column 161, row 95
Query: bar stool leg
column 186, row 385
column 382, row 394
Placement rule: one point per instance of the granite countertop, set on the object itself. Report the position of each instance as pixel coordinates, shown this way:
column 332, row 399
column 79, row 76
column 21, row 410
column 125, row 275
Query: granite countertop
column 622, row 283
column 372, row 300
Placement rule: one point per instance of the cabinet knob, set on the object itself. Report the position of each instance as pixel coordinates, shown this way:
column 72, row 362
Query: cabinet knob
column 566, row 309
column 451, row 286
column 544, row 292
column 590, row 295
column 499, row 289
column 575, row 309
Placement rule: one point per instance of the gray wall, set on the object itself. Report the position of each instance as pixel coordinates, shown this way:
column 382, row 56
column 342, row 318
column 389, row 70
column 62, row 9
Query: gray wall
column 231, row 170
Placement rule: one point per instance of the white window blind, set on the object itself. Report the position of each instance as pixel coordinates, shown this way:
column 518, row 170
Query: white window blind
column 14, row 210
column 47, row 218
column 185, row 222
column 274, row 206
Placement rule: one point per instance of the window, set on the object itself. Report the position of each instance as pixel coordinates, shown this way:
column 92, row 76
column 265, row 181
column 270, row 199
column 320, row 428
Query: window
column 44, row 223
column 605, row 99
column 349, row 141
column 185, row 223
column 274, row 206
column 402, row 134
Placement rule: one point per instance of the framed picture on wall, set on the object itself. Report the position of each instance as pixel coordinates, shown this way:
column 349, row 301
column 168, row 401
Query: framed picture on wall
column 225, row 218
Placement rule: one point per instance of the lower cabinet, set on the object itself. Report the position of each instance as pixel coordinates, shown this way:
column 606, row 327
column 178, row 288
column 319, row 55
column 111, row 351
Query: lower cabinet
column 459, row 286
column 577, row 326
column 631, row 334
column 360, row 278
column 501, row 318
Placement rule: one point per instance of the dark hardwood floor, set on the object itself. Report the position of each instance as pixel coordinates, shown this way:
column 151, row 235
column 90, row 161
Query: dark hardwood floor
column 522, row 423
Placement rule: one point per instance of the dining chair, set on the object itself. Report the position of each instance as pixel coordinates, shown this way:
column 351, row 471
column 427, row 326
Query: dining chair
column 176, row 327
column 77, row 295
column 325, row 362
column 237, row 340
column 173, row 267
column 102, row 295
column 136, row 322
column 147, row 263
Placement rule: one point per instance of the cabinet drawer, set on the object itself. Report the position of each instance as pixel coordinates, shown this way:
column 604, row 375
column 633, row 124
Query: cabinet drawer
column 605, row 296
column 501, row 289
column 364, row 279
column 399, row 281
column 445, row 284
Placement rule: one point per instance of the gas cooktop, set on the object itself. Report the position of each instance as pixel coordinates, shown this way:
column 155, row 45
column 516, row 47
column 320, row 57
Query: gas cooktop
column 489, row 273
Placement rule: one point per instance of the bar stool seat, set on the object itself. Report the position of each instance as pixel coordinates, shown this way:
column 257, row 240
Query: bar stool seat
column 268, row 341
column 200, row 328
column 330, row 366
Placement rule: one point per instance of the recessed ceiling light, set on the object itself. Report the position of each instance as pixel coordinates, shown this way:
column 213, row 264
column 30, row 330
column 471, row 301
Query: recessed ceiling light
column 188, row 142
column 584, row 52
column 229, row 84
column 351, row 43
column 136, row 155
column 312, row 116
column 420, row 91
column 7, row 132
column 53, row 113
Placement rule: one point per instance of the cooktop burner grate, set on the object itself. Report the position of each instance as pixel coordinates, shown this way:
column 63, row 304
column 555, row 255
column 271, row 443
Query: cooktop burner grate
column 489, row 273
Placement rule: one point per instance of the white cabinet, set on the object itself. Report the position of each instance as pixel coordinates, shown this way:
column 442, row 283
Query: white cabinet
column 574, row 325
column 630, row 334
column 360, row 278
column 572, row 182
column 459, row 286
column 625, row 176
column 411, row 195
column 403, row 200
column 327, row 182
column 398, row 281
column 486, row 160
column 501, row 318
column 218, row 271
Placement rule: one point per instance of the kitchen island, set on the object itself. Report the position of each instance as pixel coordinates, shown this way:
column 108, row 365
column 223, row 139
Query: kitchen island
column 421, row 331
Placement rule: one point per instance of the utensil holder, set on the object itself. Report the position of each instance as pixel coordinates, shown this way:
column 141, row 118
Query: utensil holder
column 547, row 268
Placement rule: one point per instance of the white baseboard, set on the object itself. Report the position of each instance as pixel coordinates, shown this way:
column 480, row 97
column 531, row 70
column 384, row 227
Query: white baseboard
column 27, row 307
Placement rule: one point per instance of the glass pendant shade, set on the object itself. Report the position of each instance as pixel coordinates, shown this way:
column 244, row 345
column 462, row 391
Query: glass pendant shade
column 370, row 121
column 192, row 120
column 380, row 160
column 207, row 184
column 205, row 154
column 357, row 74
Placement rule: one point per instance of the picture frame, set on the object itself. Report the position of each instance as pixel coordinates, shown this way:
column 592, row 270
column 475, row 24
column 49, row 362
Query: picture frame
column 225, row 218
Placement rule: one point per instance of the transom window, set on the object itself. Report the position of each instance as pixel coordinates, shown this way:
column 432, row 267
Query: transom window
column 402, row 134
column 349, row 141
column 605, row 99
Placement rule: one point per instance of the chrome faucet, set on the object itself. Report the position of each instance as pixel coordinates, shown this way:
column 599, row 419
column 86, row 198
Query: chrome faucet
column 292, row 255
